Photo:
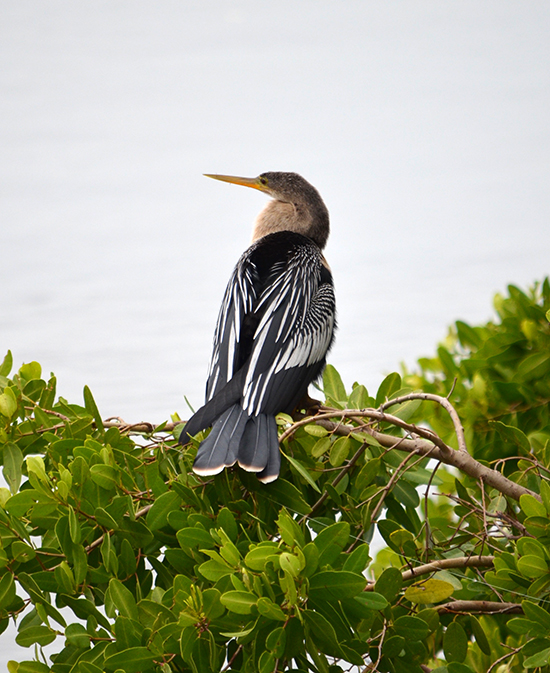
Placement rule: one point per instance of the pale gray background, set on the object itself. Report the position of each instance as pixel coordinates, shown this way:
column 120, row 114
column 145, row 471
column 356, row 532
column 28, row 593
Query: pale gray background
column 423, row 123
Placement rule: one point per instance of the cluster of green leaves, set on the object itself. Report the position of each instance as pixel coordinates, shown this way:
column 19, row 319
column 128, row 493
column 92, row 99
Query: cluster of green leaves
column 116, row 556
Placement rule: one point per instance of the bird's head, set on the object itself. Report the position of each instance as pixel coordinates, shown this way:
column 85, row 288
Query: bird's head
column 297, row 206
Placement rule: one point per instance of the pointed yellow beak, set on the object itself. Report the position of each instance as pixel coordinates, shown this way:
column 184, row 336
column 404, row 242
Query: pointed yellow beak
column 246, row 182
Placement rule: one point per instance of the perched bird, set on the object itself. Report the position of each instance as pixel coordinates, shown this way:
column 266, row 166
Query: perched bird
column 275, row 326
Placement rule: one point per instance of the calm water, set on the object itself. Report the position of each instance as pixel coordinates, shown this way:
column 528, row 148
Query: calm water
column 423, row 124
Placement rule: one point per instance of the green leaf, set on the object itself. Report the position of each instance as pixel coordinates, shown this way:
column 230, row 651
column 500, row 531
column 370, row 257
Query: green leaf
column 320, row 447
column 545, row 495
column 276, row 642
column 302, row 471
column 226, row 520
column 405, row 410
column 259, row 556
column 267, row 608
column 13, row 462
column 406, row 494
column 411, row 628
column 331, row 541
column 187, row 641
column 240, row 602
column 123, row 599
column 455, row 643
column 74, row 526
column 372, row 600
column 359, row 398
column 454, row 667
column 41, row 635
column 538, row 659
column 131, row 660
column 391, row 384
column 340, row 451
column 428, row 591
column 8, row 403
column 333, row 386
column 91, row 406
column 157, row 516
column 77, row 636
column 323, row 633
column 290, row 531
column 536, row 613
column 104, row 476
column 315, row 430
column 7, row 364
column 479, row 635
column 513, row 435
column 282, row 492
column 266, row 662
column 532, row 566
column 7, row 590
column 195, row 537
column 214, row 571
column 389, row 583
column 32, row 370
column 467, row 335
column 333, row 585
column 31, row 667
column 358, row 560
column 531, row 506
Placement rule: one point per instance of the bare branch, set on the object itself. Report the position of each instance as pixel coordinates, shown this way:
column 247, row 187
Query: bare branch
column 443, row 564
column 487, row 607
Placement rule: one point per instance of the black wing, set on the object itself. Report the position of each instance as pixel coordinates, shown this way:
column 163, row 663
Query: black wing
column 274, row 329
column 297, row 309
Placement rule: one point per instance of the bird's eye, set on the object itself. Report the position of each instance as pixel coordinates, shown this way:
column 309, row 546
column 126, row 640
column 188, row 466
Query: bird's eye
column 263, row 180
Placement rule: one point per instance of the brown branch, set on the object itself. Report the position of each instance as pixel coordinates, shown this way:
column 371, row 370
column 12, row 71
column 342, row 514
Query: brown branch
column 425, row 443
column 498, row 661
column 459, row 459
column 443, row 564
column 444, row 402
column 375, row 415
column 487, row 607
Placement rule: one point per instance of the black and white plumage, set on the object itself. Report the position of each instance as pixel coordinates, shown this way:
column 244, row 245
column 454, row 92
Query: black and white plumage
column 275, row 326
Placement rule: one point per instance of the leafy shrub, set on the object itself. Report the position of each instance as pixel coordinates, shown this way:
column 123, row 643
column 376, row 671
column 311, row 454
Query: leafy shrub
column 115, row 554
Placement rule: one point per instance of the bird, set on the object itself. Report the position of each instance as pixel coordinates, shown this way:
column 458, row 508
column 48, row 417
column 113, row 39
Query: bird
column 274, row 329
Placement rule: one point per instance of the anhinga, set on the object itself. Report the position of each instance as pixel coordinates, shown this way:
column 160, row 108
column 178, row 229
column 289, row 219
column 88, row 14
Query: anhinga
column 275, row 326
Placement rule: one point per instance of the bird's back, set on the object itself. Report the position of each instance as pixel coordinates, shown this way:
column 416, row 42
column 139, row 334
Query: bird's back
column 274, row 329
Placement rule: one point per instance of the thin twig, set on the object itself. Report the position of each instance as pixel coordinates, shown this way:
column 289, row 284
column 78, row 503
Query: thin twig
column 503, row 658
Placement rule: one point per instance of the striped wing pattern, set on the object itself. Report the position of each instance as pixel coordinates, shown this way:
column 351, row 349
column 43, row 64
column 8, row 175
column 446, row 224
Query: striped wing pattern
column 296, row 313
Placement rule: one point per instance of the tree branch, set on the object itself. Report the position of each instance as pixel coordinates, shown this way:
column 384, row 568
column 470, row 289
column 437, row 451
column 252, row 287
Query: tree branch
column 444, row 402
column 443, row 564
column 459, row 459
column 488, row 607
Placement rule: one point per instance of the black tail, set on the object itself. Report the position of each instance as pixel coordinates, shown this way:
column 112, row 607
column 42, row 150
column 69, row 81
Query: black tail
column 221, row 447
column 229, row 395
column 259, row 449
column 235, row 436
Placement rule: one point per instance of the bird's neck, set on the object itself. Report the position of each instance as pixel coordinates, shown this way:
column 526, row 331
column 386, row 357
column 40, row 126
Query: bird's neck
column 283, row 216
